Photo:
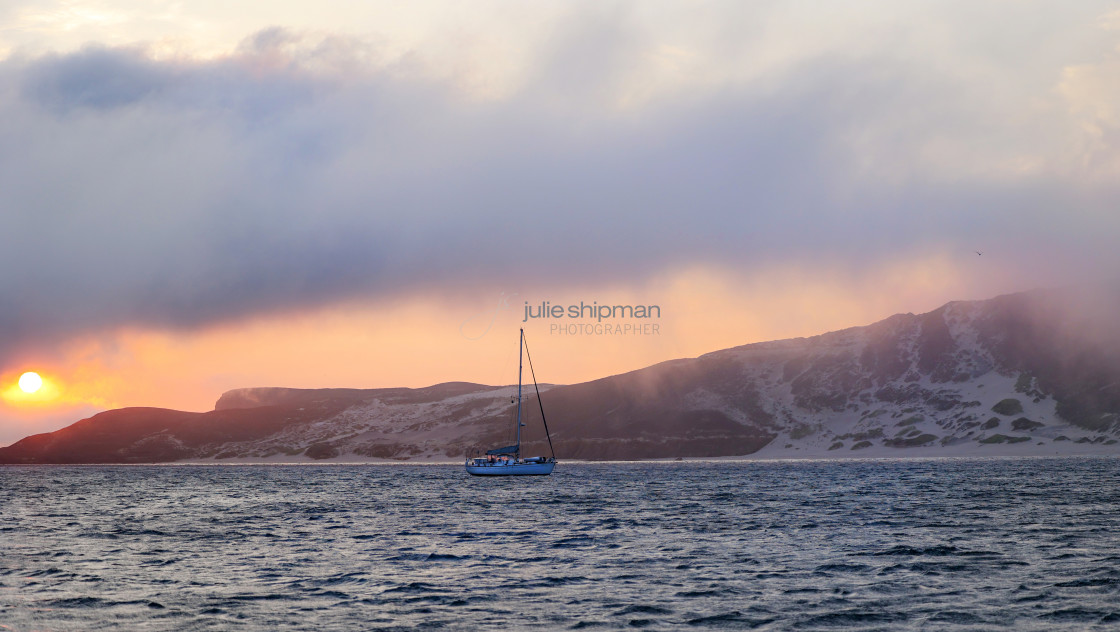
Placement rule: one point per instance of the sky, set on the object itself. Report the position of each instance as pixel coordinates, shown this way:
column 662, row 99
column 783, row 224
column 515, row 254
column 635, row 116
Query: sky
column 201, row 196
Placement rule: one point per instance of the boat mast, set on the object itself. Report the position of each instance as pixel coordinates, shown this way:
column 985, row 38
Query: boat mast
column 520, row 346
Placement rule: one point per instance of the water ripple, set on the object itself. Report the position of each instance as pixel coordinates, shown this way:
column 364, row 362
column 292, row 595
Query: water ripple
column 955, row 544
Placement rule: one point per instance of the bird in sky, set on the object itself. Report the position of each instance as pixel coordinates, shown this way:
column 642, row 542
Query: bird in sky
column 979, row 254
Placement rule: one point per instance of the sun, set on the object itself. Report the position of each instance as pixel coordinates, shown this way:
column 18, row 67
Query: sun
column 30, row 382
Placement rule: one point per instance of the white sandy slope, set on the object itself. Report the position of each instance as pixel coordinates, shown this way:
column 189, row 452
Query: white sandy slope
column 863, row 428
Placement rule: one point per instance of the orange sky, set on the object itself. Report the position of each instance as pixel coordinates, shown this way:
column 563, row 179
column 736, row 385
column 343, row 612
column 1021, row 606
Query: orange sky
column 421, row 340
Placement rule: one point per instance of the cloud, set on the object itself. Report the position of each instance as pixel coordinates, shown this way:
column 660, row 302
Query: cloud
column 100, row 79
column 298, row 170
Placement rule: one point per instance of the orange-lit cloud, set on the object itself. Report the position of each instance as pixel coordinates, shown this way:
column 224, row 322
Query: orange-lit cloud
column 325, row 203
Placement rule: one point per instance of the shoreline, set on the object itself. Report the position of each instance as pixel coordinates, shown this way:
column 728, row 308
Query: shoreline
column 929, row 456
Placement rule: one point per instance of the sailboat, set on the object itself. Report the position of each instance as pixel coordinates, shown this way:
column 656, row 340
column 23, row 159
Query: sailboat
column 507, row 461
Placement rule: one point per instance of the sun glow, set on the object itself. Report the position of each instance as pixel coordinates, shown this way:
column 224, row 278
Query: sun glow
column 29, row 389
column 30, row 382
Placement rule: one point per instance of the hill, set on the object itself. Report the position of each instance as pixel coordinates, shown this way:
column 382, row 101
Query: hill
column 1034, row 372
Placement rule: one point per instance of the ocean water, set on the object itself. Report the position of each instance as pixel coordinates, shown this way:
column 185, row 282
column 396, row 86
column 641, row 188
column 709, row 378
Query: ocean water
column 950, row 544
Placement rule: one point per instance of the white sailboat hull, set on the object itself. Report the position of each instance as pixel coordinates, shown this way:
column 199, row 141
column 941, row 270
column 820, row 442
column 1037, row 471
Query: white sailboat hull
column 510, row 468
column 507, row 461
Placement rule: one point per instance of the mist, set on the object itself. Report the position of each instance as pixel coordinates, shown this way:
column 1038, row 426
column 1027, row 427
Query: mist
column 297, row 171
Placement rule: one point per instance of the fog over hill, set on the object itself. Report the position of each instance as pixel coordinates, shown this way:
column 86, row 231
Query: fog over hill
column 1029, row 373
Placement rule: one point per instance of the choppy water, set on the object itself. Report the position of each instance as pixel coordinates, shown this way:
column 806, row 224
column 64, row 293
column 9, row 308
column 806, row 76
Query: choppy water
column 1015, row 544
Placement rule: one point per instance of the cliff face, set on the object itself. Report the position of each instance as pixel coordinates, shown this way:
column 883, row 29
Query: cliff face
column 1037, row 369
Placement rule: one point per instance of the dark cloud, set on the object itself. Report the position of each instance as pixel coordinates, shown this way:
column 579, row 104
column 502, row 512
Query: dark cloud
column 177, row 193
column 98, row 78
